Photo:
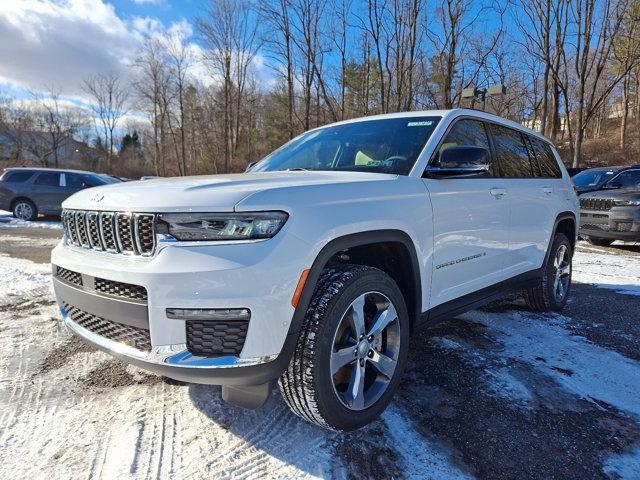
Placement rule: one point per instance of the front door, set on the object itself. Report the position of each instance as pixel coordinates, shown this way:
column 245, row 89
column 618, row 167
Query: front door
column 471, row 220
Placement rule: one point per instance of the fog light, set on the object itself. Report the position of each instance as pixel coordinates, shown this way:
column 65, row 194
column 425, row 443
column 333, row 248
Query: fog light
column 209, row 313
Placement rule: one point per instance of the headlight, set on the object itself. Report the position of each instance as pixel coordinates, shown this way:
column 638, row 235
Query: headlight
column 221, row 226
column 627, row 203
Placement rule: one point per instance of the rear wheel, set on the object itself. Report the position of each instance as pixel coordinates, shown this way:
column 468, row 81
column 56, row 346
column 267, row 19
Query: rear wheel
column 351, row 351
column 25, row 210
column 600, row 242
column 552, row 292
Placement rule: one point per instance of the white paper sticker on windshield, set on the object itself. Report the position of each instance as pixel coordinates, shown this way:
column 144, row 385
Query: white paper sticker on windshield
column 426, row 123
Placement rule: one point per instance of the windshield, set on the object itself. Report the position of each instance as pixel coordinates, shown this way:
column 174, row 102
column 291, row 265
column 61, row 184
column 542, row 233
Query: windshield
column 390, row 145
column 104, row 179
column 592, row 178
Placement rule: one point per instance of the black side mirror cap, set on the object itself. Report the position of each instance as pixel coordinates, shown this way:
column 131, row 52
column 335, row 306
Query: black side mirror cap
column 460, row 162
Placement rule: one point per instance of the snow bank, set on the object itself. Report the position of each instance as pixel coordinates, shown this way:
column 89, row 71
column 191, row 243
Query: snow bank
column 7, row 221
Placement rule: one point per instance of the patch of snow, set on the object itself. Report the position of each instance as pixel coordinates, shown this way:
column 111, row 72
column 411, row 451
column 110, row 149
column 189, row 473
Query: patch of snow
column 22, row 280
column 604, row 270
column 592, row 372
column 7, row 221
column 625, row 466
column 503, row 384
column 422, row 459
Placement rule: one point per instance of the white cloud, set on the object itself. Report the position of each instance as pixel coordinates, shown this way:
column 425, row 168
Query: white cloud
column 59, row 43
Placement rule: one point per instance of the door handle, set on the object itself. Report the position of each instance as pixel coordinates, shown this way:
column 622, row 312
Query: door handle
column 498, row 192
column 547, row 190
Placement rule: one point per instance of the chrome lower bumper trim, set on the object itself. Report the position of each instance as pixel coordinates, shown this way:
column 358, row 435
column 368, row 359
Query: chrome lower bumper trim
column 168, row 355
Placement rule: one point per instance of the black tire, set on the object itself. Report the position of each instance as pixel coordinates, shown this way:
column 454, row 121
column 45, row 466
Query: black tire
column 308, row 385
column 25, row 209
column 600, row 242
column 543, row 297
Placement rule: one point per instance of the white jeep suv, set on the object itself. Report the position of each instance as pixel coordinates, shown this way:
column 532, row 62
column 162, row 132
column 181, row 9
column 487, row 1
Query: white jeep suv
column 314, row 268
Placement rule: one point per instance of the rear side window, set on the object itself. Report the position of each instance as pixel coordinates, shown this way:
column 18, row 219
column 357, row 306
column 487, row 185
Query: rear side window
column 466, row 133
column 511, row 152
column 17, row 177
column 546, row 160
column 75, row 181
column 627, row 179
column 48, row 179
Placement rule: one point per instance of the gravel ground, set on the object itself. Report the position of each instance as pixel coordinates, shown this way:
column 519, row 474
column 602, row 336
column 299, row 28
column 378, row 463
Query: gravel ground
column 492, row 394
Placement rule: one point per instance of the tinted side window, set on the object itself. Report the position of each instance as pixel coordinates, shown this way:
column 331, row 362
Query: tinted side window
column 76, row 181
column 511, row 152
column 466, row 132
column 627, row 179
column 49, row 179
column 546, row 160
column 18, row 177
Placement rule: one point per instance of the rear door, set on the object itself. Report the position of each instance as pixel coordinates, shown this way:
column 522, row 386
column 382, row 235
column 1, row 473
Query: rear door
column 533, row 200
column 46, row 192
column 471, row 218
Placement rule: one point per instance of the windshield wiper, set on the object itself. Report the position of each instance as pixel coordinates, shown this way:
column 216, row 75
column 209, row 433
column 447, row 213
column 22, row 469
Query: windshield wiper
column 297, row 169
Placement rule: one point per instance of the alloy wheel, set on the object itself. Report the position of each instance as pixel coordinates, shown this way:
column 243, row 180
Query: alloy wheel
column 24, row 211
column 562, row 272
column 365, row 353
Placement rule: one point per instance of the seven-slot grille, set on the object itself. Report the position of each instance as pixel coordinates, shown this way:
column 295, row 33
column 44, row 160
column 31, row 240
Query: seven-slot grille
column 114, row 232
column 132, row 336
column 596, row 203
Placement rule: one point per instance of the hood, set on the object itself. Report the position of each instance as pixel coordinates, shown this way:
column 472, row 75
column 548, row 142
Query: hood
column 615, row 194
column 207, row 193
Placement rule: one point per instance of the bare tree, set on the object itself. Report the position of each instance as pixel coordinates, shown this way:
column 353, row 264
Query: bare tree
column 109, row 99
column 55, row 123
column 231, row 40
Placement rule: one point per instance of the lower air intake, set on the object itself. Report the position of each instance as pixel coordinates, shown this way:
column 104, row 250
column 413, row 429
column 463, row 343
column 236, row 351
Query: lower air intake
column 216, row 338
column 137, row 338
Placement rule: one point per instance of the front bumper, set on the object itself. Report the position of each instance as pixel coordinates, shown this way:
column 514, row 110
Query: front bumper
column 618, row 223
column 249, row 275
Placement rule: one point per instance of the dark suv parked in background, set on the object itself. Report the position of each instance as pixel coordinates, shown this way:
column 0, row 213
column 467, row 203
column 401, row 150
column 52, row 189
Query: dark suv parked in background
column 606, row 178
column 28, row 192
column 610, row 215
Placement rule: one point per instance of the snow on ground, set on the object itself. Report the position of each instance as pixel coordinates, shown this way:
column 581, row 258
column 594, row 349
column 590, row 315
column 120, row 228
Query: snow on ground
column 21, row 280
column 592, row 372
column 67, row 411
column 617, row 272
column 7, row 221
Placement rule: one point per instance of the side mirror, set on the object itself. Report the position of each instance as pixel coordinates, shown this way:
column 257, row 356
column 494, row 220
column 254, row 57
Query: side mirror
column 249, row 167
column 460, row 162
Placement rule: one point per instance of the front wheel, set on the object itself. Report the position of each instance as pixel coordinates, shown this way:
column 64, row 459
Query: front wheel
column 351, row 351
column 25, row 210
column 553, row 290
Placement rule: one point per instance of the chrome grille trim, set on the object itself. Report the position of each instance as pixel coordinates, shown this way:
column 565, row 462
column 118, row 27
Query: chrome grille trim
column 113, row 232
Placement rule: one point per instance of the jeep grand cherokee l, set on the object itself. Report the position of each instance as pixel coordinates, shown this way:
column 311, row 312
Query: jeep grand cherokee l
column 313, row 269
column 610, row 215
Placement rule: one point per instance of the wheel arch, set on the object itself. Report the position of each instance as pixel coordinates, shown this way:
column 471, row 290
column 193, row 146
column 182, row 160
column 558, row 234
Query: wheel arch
column 397, row 246
column 22, row 197
column 565, row 223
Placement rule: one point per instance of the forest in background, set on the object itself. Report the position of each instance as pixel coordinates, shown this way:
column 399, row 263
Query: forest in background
column 571, row 69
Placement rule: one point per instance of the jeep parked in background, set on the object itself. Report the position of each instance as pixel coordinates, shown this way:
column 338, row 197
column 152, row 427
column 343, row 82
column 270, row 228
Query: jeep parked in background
column 28, row 192
column 606, row 178
column 611, row 215
column 314, row 268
